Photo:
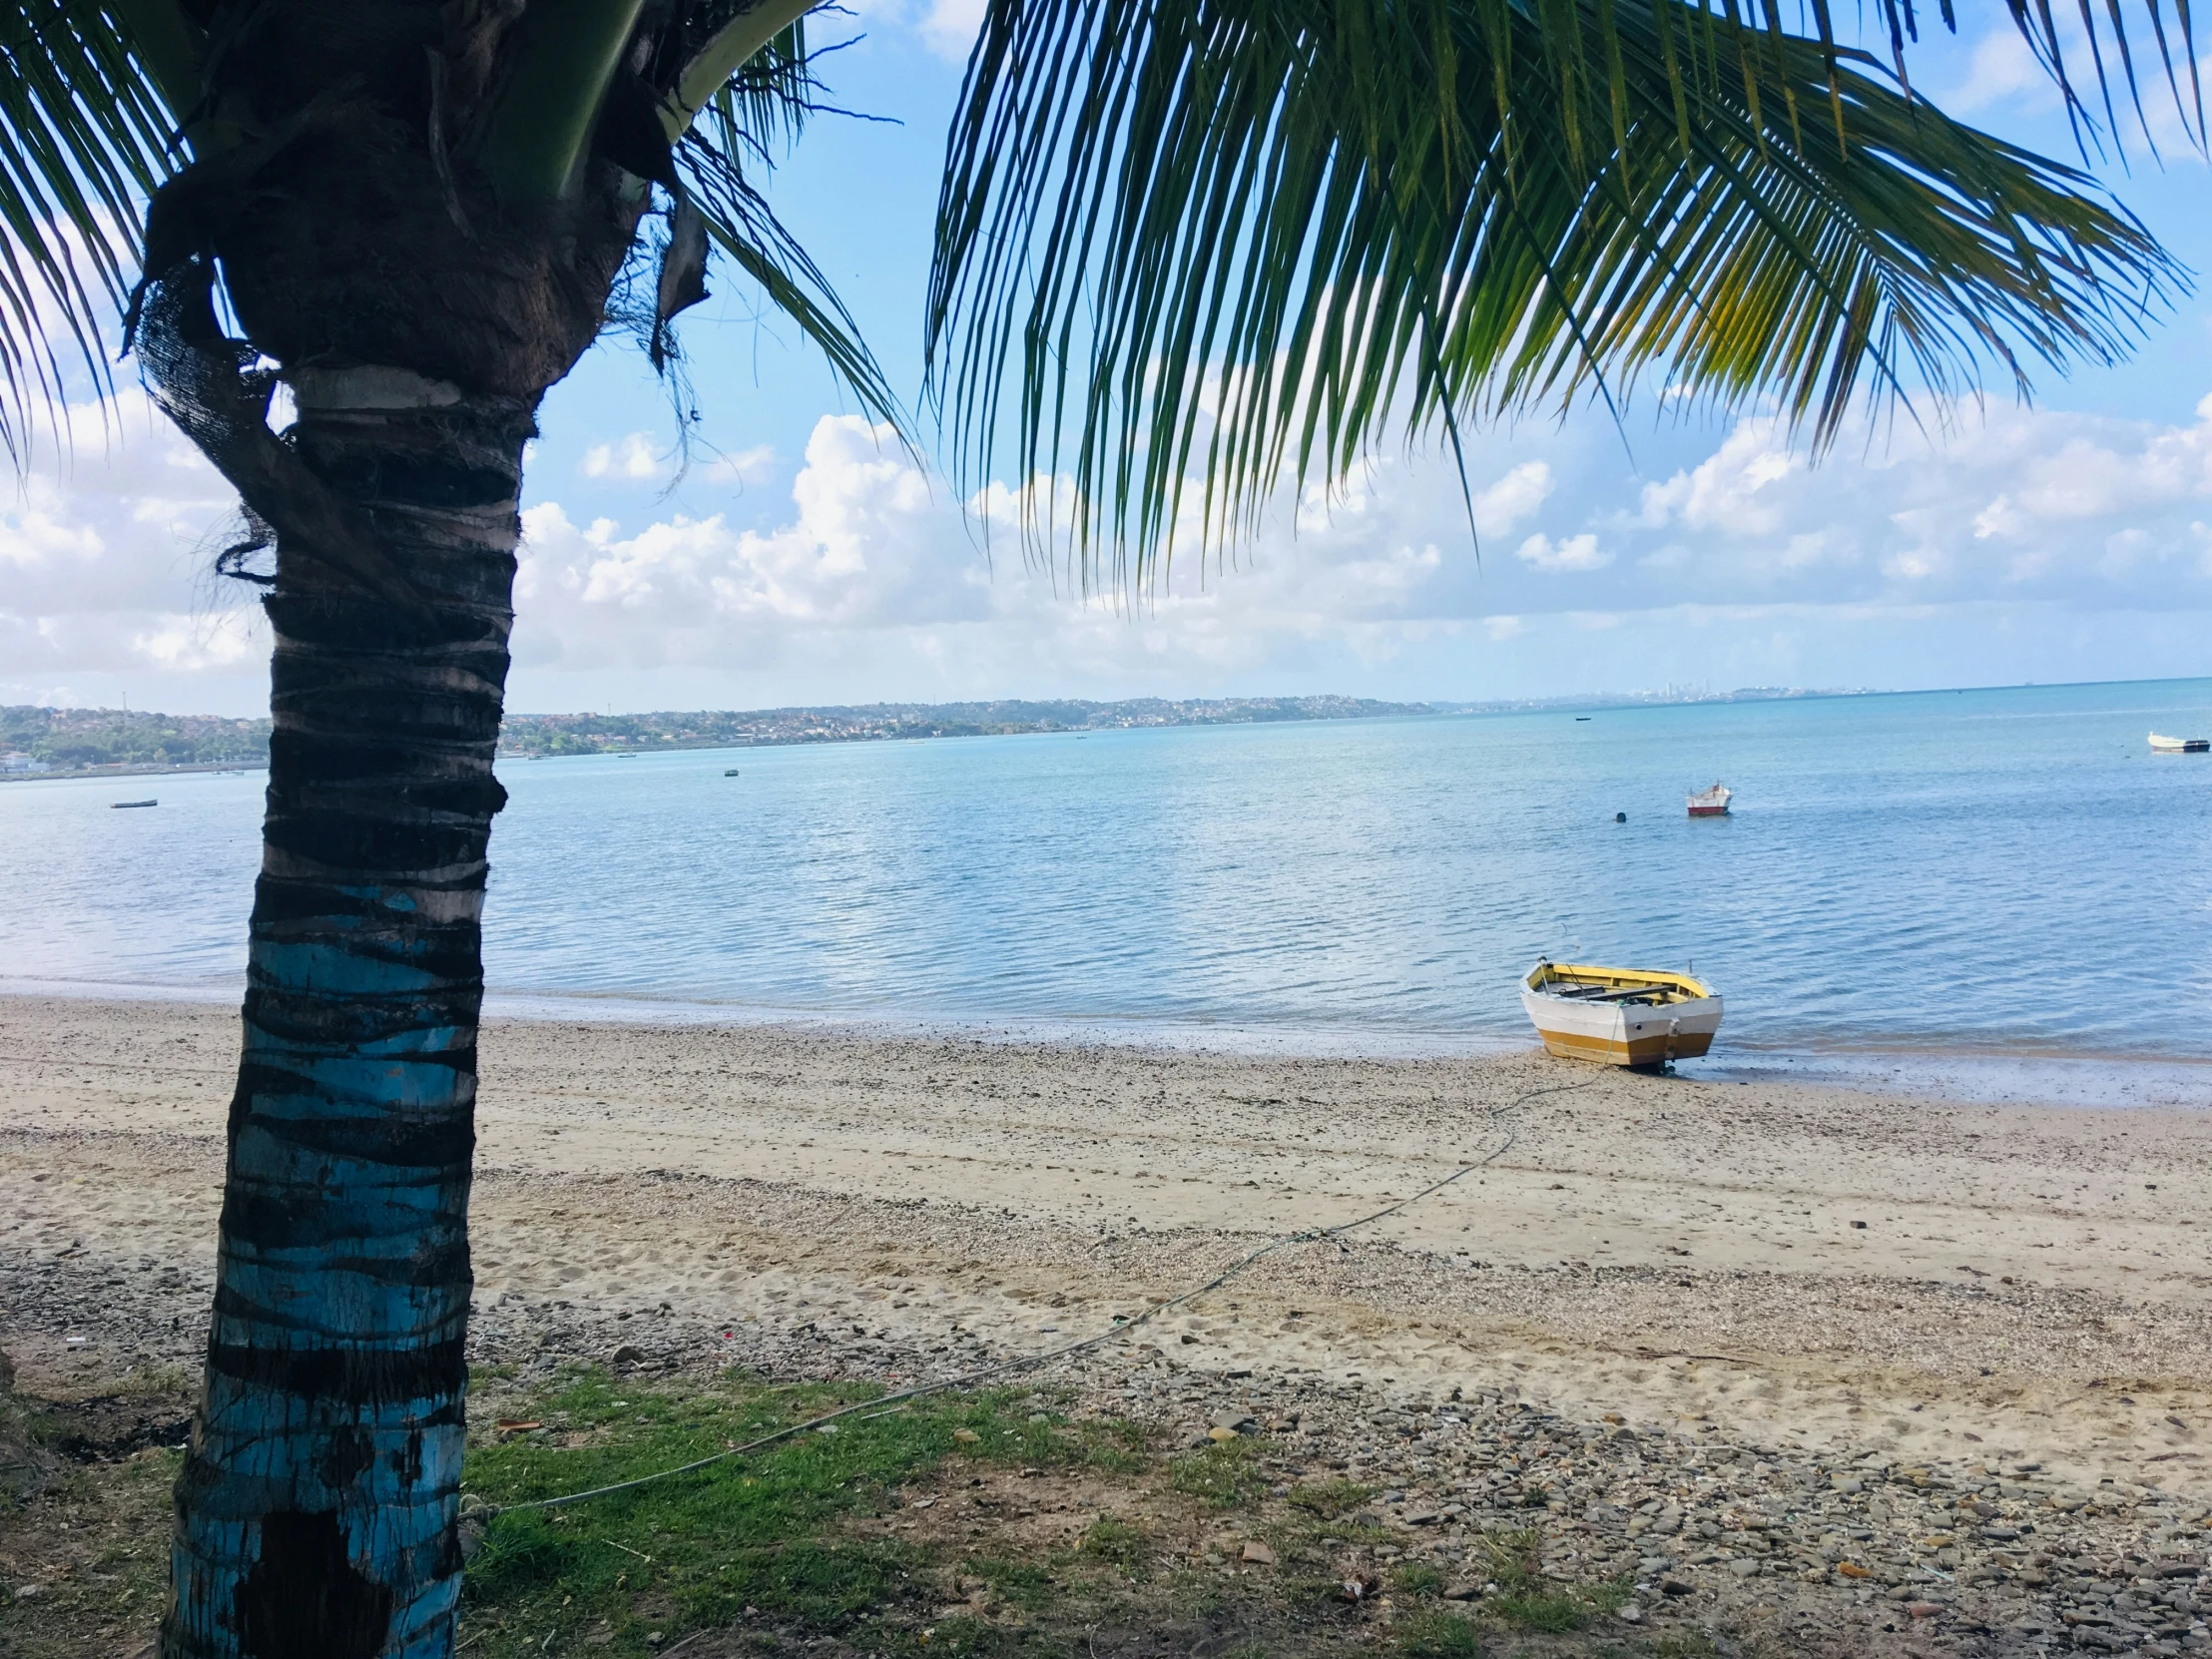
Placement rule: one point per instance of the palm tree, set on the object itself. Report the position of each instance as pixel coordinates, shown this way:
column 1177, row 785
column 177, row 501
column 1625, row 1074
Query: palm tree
column 1202, row 245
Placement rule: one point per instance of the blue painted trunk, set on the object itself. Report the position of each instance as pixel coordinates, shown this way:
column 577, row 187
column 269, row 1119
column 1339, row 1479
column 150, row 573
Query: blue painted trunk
column 316, row 1509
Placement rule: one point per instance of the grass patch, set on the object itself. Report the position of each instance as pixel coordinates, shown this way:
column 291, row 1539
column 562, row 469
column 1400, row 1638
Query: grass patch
column 701, row 1550
column 1018, row 1583
column 1417, row 1580
column 1006, row 1430
column 1113, row 1541
column 1221, row 1475
column 1330, row 1499
column 1439, row 1635
column 1549, row 1612
column 762, row 1538
column 1526, row 1600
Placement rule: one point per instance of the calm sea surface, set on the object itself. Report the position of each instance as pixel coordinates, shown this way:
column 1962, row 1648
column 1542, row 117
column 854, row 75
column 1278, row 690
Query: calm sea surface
column 1953, row 874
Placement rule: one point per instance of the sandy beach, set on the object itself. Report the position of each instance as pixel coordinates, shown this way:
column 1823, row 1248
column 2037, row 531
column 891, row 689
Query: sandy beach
column 1828, row 1271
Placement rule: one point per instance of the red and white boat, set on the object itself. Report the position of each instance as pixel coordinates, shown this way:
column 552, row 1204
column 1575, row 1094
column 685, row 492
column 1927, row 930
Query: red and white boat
column 1712, row 803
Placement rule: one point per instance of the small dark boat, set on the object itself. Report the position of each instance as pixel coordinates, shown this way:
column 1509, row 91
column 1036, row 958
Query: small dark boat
column 119, row 805
column 732, row 773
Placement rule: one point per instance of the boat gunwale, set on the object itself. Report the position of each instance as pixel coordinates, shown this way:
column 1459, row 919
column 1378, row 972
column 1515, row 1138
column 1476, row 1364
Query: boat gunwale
column 1546, row 973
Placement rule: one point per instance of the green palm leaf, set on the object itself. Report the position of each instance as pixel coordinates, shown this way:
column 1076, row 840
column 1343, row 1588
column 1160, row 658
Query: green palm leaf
column 763, row 105
column 82, row 142
column 1184, row 238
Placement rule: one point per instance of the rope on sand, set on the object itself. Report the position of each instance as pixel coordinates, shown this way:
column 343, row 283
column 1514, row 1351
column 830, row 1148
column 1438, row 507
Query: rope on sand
column 475, row 1512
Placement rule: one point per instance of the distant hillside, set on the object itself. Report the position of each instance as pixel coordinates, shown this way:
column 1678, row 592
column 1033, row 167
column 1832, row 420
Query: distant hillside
column 44, row 742
column 597, row 734
column 91, row 740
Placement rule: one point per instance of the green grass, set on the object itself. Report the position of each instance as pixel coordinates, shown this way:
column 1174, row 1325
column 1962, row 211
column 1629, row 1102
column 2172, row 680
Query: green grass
column 763, row 1532
column 1020, row 1584
column 1526, row 1600
column 1113, row 1541
column 1221, row 1475
column 1417, row 1580
column 1439, row 1635
column 1330, row 1499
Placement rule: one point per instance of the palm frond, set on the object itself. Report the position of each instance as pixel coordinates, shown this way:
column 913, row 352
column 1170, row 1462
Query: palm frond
column 759, row 112
column 763, row 108
column 83, row 139
column 1184, row 238
column 740, row 224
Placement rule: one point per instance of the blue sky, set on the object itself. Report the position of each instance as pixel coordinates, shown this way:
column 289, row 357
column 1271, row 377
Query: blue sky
column 803, row 559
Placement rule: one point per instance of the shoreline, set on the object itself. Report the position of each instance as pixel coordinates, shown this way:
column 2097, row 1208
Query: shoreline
column 92, row 775
column 1910, row 1376
column 1959, row 1075
column 1849, row 1265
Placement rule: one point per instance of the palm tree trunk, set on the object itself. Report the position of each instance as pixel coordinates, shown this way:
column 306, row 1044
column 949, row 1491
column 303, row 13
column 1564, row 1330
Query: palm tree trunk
column 316, row 1511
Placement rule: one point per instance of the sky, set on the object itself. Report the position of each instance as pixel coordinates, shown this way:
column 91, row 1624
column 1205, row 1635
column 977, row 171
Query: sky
column 801, row 556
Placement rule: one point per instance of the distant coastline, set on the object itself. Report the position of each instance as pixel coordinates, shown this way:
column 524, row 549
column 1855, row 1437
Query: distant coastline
column 120, row 743
column 532, row 734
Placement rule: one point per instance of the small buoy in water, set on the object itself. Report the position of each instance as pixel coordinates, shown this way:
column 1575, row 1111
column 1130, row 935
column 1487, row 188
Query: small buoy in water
column 1620, row 818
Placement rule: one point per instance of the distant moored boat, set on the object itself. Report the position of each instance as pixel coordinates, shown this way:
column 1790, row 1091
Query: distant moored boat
column 1712, row 803
column 120, row 805
column 2179, row 746
column 1620, row 1016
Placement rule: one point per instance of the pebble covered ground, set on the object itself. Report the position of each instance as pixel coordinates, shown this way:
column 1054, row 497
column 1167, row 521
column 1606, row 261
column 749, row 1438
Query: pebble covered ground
column 1832, row 1373
column 1734, row 1539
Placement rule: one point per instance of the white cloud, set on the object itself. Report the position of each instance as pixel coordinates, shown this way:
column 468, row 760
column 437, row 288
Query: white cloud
column 105, row 556
column 868, row 580
column 2001, row 68
column 1508, row 504
column 950, row 27
column 635, row 458
column 199, row 642
column 747, row 466
column 1724, row 491
column 1571, row 553
column 869, row 546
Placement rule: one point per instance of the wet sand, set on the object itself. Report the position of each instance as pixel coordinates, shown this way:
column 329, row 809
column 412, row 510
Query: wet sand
column 1810, row 1267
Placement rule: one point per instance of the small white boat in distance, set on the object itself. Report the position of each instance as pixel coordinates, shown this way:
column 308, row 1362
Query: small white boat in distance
column 1712, row 803
column 2179, row 746
column 1620, row 1016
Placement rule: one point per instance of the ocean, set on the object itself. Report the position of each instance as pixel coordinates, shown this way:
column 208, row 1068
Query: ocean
column 1996, row 877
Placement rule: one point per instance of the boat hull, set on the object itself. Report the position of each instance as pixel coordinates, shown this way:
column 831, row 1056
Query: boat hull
column 1709, row 811
column 1624, row 1035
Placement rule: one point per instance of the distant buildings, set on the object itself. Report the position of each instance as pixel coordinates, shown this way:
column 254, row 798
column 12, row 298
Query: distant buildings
column 884, row 722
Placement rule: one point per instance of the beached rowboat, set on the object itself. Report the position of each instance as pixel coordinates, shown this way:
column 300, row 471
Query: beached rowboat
column 2179, row 746
column 1621, row 1016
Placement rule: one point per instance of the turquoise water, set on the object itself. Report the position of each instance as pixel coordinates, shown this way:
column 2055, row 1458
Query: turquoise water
column 1949, row 872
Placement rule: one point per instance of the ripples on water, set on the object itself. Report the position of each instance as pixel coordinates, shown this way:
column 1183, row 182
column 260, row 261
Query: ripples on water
column 1979, row 870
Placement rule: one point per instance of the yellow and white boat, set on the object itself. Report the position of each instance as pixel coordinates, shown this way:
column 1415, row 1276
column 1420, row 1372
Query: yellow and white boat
column 1620, row 1016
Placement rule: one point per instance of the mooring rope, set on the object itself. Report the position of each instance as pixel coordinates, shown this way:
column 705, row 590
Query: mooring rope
column 479, row 1511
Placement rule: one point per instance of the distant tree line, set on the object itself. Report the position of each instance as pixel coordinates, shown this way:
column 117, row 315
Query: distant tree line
column 47, row 741
column 81, row 740
column 600, row 734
